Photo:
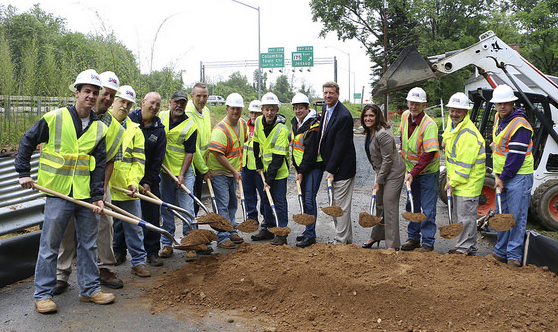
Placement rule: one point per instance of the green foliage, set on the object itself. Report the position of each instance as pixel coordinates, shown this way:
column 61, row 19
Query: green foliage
column 7, row 70
column 236, row 83
column 282, row 89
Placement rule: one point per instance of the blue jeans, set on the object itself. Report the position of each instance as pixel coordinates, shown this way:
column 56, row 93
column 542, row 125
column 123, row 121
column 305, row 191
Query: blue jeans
column 279, row 195
column 133, row 234
column 227, row 203
column 515, row 200
column 173, row 194
column 425, row 195
column 57, row 215
column 253, row 186
column 152, row 214
column 309, row 186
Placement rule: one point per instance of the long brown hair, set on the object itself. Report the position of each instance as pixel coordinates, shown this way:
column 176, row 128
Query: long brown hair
column 380, row 119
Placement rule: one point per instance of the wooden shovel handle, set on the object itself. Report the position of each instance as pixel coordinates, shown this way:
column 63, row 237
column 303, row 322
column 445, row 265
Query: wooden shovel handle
column 267, row 190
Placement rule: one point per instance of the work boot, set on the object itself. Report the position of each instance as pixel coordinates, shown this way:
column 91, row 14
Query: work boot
column 154, row 260
column 141, row 271
column 300, row 237
column 410, row 244
column 190, row 256
column 166, row 252
column 426, row 248
column 109, row 279
column 279, row 240
column 236, row 239
column 513, row 262
column 263, row 234
column 99, row 298
column 46, row 306
column 497, row 258
column 227, row 244
column 208, row 251
column 60, row 287
column 120, row 258
column 306, row 242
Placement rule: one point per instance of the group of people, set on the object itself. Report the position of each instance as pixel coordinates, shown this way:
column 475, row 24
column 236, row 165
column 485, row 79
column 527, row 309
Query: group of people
column 100, row 151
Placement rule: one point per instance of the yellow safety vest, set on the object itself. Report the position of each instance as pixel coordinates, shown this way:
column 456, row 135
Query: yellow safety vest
column 500, row 145
column 465, row 158
column 174, row 156
column 225, row 140
column 66, row 162
column 424, row 139
column 203, row 138
column 129, row 170
column 297, row 144
column 276, row 143
column 114, row 136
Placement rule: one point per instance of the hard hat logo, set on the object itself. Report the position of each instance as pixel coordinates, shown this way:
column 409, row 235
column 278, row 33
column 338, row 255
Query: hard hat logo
column 129, row 93
column 112, row 80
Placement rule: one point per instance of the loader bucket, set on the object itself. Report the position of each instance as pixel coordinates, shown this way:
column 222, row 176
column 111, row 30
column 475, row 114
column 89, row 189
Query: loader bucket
column 409, row 69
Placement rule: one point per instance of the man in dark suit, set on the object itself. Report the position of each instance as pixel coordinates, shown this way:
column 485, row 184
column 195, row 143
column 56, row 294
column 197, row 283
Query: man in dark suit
column 338, row 152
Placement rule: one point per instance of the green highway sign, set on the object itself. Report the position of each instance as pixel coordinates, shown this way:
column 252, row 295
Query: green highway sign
column 357, row 96
column 272, row 60
column 276, row 50
column 303, row 57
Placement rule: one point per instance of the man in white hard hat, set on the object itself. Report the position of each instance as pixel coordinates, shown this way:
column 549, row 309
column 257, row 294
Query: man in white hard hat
column 512, row 157
column 251, row 180
column 225, row 162
column 155, row 146
column 337, row 148
column 421, row 153
column 197, row 110
column 271, row 144
column 129, row 169
column 68, row 134
column 305, row 137
column 181, row 133
column 67, row 251
column 465, row 157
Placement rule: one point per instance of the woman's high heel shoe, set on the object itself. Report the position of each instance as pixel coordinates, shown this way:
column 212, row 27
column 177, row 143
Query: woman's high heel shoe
column 370, row 244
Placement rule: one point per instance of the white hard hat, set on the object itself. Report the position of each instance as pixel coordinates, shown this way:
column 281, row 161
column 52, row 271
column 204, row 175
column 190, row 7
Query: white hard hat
column 417, row 95
column 270, row 99
column 110, row 80
column 234, row 100
column 459, row 100
column 300, row 98
column 89, row 76
column 503, row 94
column 255, row 106
column 126, row 92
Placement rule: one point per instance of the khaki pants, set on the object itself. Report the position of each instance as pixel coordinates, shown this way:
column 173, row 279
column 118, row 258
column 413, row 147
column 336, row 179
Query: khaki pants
column 342, row 197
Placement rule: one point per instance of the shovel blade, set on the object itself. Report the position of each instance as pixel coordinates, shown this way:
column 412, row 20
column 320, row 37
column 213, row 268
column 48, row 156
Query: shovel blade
column 409, row 69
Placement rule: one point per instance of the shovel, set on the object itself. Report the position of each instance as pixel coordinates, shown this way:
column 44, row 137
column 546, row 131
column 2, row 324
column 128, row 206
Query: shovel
column 248, row 225
column 501, row 222
column 270, row 199
column 369, row 219
column 134, row 221
column 303, row 218
column 176, row 214
column 332, row 210
column 213, row 201
column 411, row 216
column 197, row 200
column 453, row 229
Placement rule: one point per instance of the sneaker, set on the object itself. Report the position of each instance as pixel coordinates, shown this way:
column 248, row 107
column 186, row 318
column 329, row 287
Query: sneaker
column 190, row 256
column 513, row 262
column 46, row 306
column 141, row 271
column 120, row 258
column 208, row 251
column 263, row 234
column 154, row 260
column 227, row 244
column 237, row 239
column 99, row 298
column 279, row 240
column 166, row 252
column 426, row 248
column 410, row 244
column 60, row 288
column 109, row 279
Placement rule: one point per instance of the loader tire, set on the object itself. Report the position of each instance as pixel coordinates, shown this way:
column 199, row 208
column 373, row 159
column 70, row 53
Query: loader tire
column 544, row 205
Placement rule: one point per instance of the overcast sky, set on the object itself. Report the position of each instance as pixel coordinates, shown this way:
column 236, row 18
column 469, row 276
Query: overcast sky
column 216, row 30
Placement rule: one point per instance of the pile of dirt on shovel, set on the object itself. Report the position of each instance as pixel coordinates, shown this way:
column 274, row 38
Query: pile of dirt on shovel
column 328, row 287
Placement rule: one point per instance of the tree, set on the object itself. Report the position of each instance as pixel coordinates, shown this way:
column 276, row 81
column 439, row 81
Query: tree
column 7, row 70
column 282, row 89
column 236, row 83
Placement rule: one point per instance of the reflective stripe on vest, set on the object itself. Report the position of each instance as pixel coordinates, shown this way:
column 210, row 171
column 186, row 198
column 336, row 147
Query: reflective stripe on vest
column 500, row 145
column 233, row 151
column 413, row 147
column 297, row 143
column 174, row 155
column 269, row 144
column 114, row 137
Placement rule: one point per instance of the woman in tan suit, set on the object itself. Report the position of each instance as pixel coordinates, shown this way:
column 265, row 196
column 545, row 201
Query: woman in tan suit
column 389, row 166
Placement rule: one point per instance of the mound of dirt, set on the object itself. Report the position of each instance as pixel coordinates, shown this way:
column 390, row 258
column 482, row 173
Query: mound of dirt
column 334, row 211
column 450, row 231
column 329, row 287
column 280, row 231
column 365, row 220
column 414, row 217
column 248, row 226
column 304, row 219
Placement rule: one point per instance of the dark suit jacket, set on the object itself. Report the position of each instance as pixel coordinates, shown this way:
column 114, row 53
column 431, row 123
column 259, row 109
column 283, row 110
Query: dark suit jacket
column 337, row 146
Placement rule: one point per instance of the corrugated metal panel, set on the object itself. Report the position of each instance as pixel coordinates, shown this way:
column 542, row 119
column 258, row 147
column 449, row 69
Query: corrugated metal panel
column 19, row 208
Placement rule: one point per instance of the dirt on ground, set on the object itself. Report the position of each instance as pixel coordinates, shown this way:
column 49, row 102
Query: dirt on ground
column 329, row 287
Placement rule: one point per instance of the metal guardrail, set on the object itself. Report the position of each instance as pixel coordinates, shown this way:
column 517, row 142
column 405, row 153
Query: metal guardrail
column 19, row 208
